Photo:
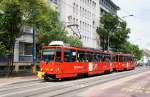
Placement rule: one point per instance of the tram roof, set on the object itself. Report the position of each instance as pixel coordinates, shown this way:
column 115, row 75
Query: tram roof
column 88, row 49
column 75, row 48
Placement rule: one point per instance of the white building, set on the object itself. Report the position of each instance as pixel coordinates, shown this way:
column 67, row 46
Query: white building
column 84, row 13
column 108, row 6
column 146, row 56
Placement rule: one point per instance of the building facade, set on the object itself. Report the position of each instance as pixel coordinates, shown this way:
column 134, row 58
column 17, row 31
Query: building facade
column 107, row 6
column 86, row 14
column 79, row 16
column 83, row 15
column 22, row 53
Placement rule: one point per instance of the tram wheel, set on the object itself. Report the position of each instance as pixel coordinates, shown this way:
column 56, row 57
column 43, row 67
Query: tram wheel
column 50, row 78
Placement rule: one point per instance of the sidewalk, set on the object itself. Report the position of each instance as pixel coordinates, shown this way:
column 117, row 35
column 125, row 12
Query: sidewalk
column 11, row 80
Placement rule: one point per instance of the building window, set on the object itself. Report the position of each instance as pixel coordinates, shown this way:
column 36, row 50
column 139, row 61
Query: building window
column 70, row 18
column 28, row 49
column 74, row 20
column 25, row 48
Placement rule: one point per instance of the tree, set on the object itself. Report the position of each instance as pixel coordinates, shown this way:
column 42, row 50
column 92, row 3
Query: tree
column 119, row 37
column 19, row 13
column 132, row 49
column 112, row 32
column 10, row 25
column 109, row 24
column 52, row 29
column 35, row 13
column 73, row 41
column 116, row 32
column 3, row 50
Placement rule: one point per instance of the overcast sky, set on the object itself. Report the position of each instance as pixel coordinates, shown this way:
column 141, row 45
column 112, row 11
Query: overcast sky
column 139, row 23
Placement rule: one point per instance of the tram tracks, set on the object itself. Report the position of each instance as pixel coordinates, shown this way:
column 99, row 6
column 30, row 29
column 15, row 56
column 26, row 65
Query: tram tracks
column 83, row 85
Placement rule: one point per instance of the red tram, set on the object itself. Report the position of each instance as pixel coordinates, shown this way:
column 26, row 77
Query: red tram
column 123, row 62
column 62, row 62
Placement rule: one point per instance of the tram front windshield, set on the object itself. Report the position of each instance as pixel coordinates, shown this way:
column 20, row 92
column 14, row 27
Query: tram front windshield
column 48, row 55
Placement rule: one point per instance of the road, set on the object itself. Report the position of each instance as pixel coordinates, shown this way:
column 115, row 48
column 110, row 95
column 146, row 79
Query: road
column 135, row 83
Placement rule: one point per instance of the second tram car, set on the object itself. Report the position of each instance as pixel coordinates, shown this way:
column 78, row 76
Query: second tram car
column 123, row 62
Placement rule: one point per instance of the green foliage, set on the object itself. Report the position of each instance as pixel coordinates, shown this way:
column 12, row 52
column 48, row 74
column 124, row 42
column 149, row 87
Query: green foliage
column 109, row 25
column 33, row 13
column 113, row 31
column 109, row 22
column 3, row 50
column 119, row 37
column 73, row 41
column 10, row 23
column 52, row 29
column 117, row 32
column 44, row 37
column 133, row 49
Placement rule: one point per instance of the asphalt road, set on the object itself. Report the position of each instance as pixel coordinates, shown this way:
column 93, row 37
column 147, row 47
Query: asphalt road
column 86, row 87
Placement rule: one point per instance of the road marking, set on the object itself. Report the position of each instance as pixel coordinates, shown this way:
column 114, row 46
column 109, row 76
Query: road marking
column 136, row 90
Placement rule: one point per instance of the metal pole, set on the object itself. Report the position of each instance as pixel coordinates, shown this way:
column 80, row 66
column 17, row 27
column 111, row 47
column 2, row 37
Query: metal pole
column 108, row 42
column 34, row 48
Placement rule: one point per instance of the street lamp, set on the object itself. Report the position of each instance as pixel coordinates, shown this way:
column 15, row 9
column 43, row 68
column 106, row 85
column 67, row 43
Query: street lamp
column 108, row 42
column 131, row 15
column 34, row 48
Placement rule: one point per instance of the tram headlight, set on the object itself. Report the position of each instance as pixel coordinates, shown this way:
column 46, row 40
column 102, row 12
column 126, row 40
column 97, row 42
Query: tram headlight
column 51, row 69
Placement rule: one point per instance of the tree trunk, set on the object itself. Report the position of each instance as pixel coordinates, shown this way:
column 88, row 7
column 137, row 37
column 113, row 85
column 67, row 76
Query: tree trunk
column 11, row 49
column 12, row 58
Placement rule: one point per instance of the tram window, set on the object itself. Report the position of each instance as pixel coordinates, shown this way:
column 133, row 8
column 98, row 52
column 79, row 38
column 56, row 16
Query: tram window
column 117, row 58
column 73, row 55
column 58, row 55
column 67, row 55
column 90, row 57
column 114, row 58
column 126, row 59
column 95, row 59
column 107, row 58
column 48, row 55
column 99, row 57
column 82, row 56
column 121, row 59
